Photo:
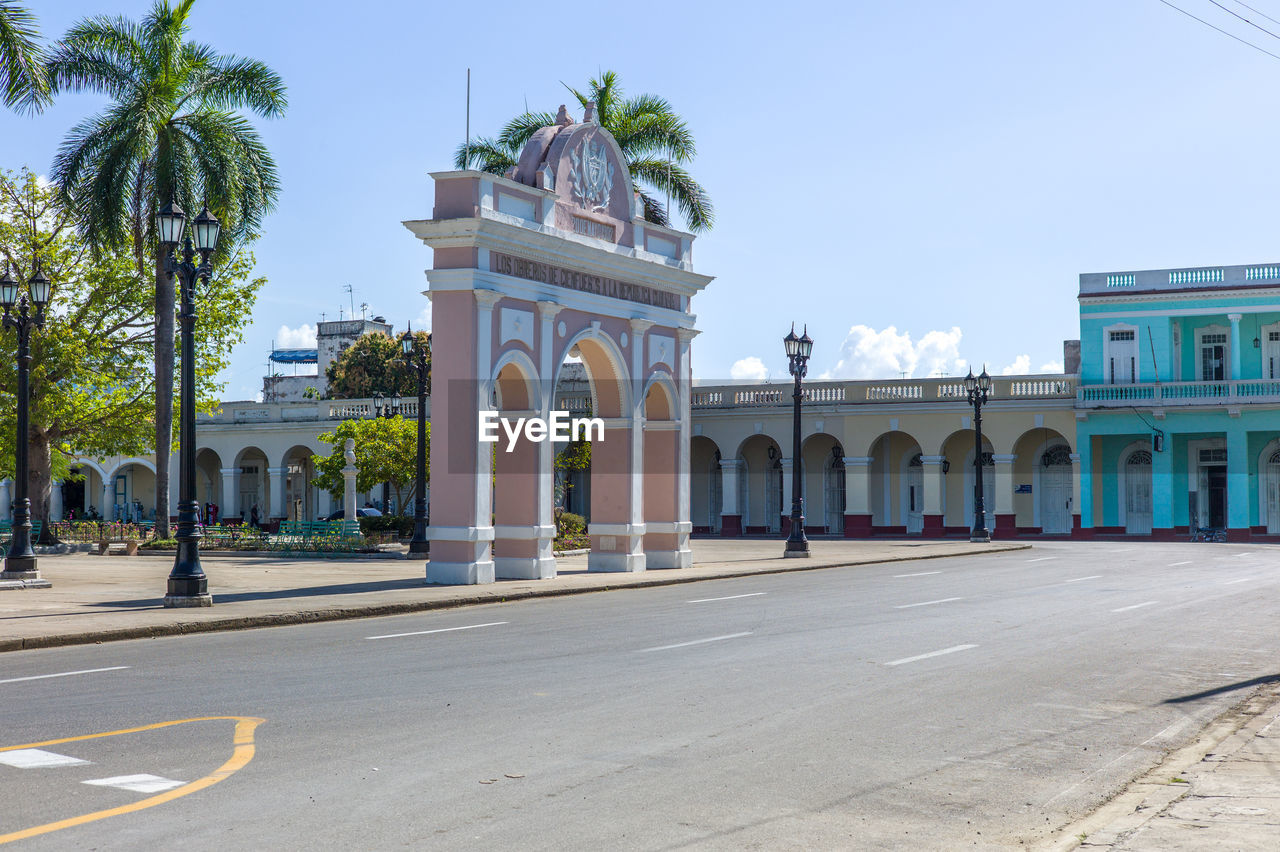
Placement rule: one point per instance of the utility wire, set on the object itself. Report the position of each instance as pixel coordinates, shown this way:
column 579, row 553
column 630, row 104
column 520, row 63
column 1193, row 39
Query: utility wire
column 1257, row 12
column 1243, row 18
column 1219, row 29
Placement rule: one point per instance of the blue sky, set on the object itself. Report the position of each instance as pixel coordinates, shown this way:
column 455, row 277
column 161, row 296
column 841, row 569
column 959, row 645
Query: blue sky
column 921, row 182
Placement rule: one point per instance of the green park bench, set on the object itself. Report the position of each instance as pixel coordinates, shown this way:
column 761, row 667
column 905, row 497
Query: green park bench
column 328, row 536
column 6, row 531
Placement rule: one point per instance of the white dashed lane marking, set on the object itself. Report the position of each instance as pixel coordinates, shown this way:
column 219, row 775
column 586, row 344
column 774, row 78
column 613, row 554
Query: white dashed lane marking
column 37, row 758
column 438, row 630
column 927, row 603
column 950, row 650
column 1042, row 559
column 1241, row 580
column 1176, row 564
column 62, row 674
column 1079, row 579
column 137, row 783
column 1134, row 606
column 695, row 642
column 729, row 598
column 917, row 574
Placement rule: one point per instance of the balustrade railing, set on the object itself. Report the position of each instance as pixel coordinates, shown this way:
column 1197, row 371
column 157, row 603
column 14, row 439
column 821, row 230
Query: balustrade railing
column 1179, row 393
column 911, row 391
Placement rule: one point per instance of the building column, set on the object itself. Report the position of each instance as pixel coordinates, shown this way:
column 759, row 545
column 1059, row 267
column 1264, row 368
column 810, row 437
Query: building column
column 1082, row 461
column 1235, row 345
column 684, row 476
column 730, row 513
column 461, row 530
column 324, row 504
column 55, row 501
column 106, row 509
column 1076, row 478
column 544, row 542
column 857, row 475
column 1238, row 491
column 6, row 499
column 1162, row 493
column 934, row 526
column 227, row 507
column 785, row 508
column 278, row 507
column 520, row 542
column 1006, row 520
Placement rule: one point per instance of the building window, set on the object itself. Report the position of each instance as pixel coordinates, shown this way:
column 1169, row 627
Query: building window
column 1121, row 356
column 1213, row 356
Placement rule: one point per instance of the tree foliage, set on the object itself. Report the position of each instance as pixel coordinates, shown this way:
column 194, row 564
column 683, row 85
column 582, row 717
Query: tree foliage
column 92, row 387
column 172, row 131
column 386, row 450
column 374, row 364
column 655, row 140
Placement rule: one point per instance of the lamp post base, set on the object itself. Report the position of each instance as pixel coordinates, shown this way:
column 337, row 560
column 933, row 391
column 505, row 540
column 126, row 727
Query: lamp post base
column 173, row 601
column 420, row 547
column 20, row 568
column 982, row 536
column 796, row 549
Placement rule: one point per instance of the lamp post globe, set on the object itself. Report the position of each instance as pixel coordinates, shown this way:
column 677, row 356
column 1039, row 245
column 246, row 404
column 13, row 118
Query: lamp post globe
column 798, row 350
column 187, row 585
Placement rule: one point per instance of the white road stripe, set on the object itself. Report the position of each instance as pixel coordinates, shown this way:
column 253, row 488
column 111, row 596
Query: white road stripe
column 729, row 598
column 1042, row 559
column 695, row 642
column 37, row 758
column 1122, row 550
column 927, row 603
column 1176, row 564
column 1241, row 580
column 137, row 783
column 918, row 574
column 1134, row 606
column 950, row 650
column 439, row 630
column 63, row 674
column 1078, row 579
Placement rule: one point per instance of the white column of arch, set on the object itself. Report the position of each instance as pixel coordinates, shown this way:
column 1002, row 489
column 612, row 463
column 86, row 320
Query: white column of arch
column 546, row 532
column 729, row 472
column 1004, row 492
column 6, row 499
column 55, row 501
column 279, row 508
column 684, row 477
column 933, row 483
column 788, row 473
column 227, row 507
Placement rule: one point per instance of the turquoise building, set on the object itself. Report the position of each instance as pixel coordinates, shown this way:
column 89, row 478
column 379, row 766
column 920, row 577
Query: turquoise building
column 1178, row 406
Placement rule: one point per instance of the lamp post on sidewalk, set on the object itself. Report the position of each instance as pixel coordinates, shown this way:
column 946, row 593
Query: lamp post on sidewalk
column 20, row 564
column 977, row 388
column 798, row 350
column 188, row 586
column 417, row 358
column 388, row 408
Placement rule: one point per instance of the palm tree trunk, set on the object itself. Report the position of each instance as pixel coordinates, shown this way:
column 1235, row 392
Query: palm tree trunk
column 165, row 295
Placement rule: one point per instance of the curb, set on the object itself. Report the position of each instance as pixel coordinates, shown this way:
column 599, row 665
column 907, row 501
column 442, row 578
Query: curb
column 347, row 613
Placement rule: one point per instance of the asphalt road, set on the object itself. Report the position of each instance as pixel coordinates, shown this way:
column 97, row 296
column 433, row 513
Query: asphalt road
column 938, row 704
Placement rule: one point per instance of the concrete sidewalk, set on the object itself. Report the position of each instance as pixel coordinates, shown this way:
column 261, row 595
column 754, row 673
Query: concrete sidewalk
column 105, row 598
column 1221, row 791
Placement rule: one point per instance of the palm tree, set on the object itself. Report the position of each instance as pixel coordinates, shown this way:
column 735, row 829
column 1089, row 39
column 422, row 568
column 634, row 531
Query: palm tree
column 22, row 80
column 655, row 141
column 171, row 133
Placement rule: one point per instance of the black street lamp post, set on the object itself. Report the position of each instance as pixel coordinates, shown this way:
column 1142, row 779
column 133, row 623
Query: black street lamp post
column 188, row 585
column 977, row 389
column 798, row 349
column 388, row 408
column 415, row 357
column 20, row 564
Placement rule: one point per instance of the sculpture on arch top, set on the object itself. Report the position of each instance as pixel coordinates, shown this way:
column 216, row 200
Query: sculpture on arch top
column 552, row 258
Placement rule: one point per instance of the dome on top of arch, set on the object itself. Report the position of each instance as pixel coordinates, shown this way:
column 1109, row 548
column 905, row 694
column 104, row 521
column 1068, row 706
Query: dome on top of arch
column 581, row 162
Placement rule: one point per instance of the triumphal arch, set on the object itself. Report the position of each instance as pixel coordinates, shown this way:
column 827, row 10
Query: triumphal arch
column 555, row 261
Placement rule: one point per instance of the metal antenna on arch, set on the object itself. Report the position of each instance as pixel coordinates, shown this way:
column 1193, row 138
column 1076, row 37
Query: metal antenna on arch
column 346, row 288
column 466, row 146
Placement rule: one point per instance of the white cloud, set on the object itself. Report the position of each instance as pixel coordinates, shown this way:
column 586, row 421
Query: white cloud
column 302, row 337
column 750, row 369
column 1051, row 367
column 1020, row 366
column 870, row 354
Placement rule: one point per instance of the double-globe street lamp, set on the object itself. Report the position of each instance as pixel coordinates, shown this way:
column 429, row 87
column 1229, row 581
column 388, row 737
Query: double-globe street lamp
column 415, row 357
column 388, row 408
column 798, row 350
column 20, row 564
column 977, row 388
column 188, row 585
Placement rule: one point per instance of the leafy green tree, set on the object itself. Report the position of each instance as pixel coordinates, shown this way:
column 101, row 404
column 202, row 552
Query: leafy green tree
column 22, row 79
column 173, row 131
column 386, row 451
column 92, row 389
column 374, row 364
column 654, row 139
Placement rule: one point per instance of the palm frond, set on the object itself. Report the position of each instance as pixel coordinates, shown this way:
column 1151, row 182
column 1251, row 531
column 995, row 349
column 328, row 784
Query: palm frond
column 485, row 154
column 518, row 130
column 647, row 124
column 232, row 82
column 103, row 55
column 23, row 81
column 689, row 196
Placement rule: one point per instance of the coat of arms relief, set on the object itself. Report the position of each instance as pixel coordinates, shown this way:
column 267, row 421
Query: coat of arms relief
column 591, row 175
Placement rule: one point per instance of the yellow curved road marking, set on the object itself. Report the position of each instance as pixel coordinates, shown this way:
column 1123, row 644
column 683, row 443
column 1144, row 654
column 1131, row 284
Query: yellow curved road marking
column 240, row 756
